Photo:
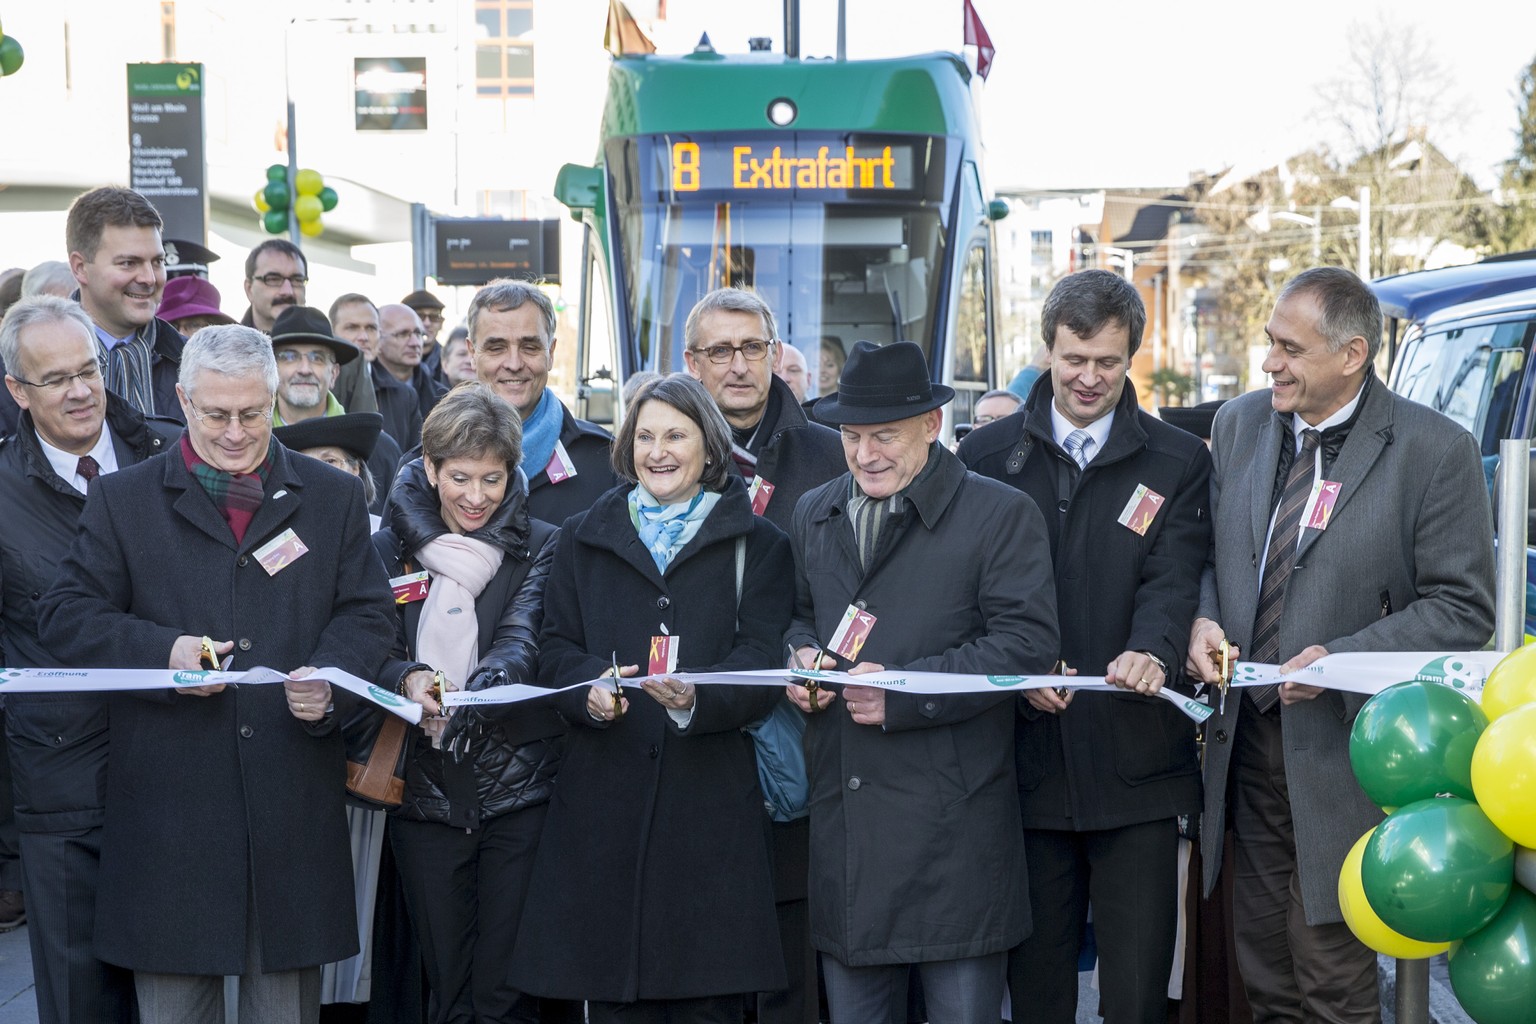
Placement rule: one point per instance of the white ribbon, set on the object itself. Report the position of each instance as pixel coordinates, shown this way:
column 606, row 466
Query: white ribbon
column 1366, row 673
column 107, row 680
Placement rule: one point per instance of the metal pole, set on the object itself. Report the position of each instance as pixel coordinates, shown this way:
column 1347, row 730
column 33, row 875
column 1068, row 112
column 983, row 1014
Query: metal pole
column 1412, row 992
column 842, row 29
column 1514, row 483
column 293, row 174
column 792, row 28
column 1365, row 232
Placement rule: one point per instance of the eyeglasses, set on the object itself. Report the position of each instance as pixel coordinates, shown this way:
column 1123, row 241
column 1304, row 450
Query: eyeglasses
column 275, row 280
column 430, row 318
column 752, row 350
column 87, row 376
column 406, row 335
column 293, row 355
column 218, row 419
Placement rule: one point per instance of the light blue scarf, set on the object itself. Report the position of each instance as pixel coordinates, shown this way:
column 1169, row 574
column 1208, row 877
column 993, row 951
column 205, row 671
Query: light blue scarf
column 666, row 529
column 541, row 432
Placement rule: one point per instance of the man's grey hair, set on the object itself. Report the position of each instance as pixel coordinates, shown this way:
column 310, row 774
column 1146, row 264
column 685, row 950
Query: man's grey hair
column 1350, row 308
column 39, row 309
column 729, row 300
column 231, row 349
column 46, row 276
column 504, row 294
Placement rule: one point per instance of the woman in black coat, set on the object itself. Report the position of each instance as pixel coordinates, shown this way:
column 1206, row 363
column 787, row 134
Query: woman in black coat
column 474, row 804
column 651, row 895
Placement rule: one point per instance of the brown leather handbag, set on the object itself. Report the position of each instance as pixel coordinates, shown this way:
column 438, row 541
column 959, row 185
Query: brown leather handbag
column 377, row 744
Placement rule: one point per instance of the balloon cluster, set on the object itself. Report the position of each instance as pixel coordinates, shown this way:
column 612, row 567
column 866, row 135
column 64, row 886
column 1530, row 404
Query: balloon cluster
column 309, row 196
column 11, row 55
column 1453, row 867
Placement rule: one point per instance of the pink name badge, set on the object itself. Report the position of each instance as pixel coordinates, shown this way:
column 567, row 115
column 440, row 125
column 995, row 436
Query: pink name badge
column 761, row 492
column 851, row 633
column 560, row 467
column 280, row 552
column 1139, row 512
column 663, row 655
column 1319, row 508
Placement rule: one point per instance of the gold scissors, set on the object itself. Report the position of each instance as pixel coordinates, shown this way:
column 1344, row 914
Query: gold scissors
column 1229, row 652
column 208, row 656
column 811, row 688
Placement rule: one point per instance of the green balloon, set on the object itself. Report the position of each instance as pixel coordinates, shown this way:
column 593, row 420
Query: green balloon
column 1437, row 870
column 1493, row 971
column 278, row 174
column 11, row 55
column 328, row 198
column 276, row 196
column 1414, row 741
column 275, row 221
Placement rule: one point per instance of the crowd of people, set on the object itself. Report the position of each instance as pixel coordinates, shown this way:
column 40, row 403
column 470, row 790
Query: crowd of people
column 303, row 489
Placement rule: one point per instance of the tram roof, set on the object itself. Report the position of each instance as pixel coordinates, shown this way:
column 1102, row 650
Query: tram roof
column 703, row 92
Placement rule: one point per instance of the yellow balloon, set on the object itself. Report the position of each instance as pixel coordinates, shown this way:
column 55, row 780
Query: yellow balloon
column 1511, row 683
column 307, row 208
column 1362, row 920
column 259, row 200
column 308, row 183
column 1504, row 774
column 311, row 228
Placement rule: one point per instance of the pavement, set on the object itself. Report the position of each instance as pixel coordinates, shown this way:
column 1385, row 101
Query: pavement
column 1443, row 1007
column 19, row 1006
column 17, row 1003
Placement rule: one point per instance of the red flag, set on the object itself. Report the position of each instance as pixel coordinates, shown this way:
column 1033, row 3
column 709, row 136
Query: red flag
column 976, row 35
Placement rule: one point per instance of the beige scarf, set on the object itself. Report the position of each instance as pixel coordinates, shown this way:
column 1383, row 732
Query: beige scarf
column 448, row 635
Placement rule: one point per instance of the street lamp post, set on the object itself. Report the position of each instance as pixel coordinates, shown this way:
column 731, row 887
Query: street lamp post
column 293, row 125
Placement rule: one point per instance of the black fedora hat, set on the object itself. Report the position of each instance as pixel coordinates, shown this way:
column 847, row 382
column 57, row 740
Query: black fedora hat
column 355, row 432
column 305, row 323
column 1195, row 419
column 881, row 384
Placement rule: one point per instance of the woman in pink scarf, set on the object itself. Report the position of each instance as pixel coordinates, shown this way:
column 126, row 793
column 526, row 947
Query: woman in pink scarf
column 468, row 567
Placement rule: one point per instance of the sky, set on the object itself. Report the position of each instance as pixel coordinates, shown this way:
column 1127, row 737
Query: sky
column 1118, row 93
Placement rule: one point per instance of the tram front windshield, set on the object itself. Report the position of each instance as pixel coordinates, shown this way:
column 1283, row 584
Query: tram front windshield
column 844, row 236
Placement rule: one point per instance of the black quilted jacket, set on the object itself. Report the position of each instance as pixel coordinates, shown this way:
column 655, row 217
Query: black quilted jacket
column 512, row 760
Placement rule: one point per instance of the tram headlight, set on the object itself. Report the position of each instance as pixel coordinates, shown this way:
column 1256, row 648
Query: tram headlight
column 783, row 112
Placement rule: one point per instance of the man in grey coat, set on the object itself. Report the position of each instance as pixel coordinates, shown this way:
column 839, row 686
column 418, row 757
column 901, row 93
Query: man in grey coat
column 1402, row 561
column 917, row 853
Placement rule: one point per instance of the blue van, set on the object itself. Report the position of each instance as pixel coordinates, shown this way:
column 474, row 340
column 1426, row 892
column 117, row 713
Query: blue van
column 1460, row 341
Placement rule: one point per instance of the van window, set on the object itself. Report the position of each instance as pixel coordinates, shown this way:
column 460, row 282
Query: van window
column 1471, row 374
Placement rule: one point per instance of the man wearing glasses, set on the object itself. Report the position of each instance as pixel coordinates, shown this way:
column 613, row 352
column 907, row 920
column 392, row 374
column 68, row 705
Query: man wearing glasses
column 72, row 430
column 733, row 350
column 309, row 360
column 277, row 278
column 400, row 342
column 228, row 793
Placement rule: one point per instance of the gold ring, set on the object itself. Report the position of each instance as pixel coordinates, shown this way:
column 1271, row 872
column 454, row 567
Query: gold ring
column 301, row 706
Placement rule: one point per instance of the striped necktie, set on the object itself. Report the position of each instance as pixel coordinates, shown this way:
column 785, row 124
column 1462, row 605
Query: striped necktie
column 1078, row 445
column 1278, row 562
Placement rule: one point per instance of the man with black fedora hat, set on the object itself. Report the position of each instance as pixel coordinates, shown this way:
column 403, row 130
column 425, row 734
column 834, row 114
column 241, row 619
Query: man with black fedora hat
column 309, row 359
column 917, row 854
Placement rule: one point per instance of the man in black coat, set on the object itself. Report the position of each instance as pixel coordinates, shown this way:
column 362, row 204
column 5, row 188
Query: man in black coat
column 71, row 429
column 226, row 850
column 512, row 341
column 1104, row 778
column 355, row 320
column 917, row 854
column 734, row 350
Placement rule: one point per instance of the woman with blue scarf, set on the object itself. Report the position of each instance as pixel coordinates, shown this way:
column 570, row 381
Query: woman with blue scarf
column 651, row 895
